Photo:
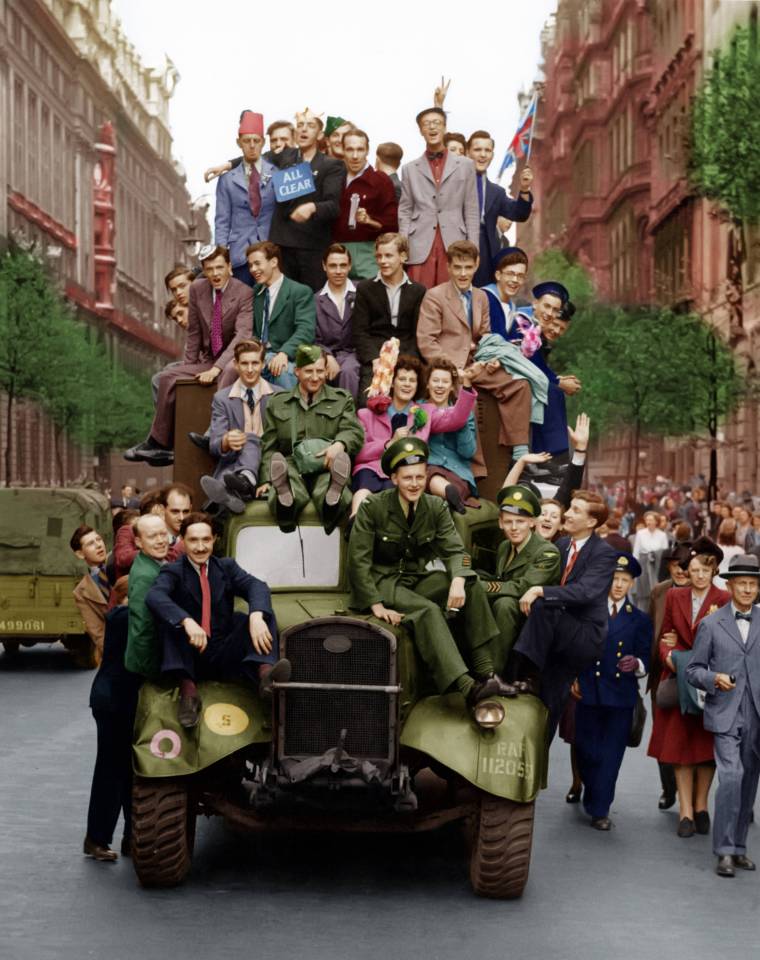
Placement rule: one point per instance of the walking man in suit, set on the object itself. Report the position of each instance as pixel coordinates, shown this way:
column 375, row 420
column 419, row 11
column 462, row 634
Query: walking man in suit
column 237, row 418
column 726, row 665
column 385, row 307
column 606, row 692
column 439, row 202
column 93, row 591
column 192, row 600
column 302, row 227
column 283, row 313
column 453, row 318
column 567, row 623
column 219, row 316
column 334, row 304
column 245, row 197
column 494, row 203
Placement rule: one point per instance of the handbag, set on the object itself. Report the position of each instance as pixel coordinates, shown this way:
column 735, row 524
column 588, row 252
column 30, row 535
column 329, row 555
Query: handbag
column 637, row 724
column 305, row 452
column 667, row 694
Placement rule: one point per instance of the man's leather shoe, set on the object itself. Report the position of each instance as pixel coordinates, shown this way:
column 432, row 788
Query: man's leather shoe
column 188, row 712
column 666, row 800
column 278, row 474
column 340, row 471
column 686, row 827
column 217, row 492
column 527, row 686
column 97, row 852
column 201, row 440
column 483, row 689
column 601, row 823
column 573, row 796
column 506, row 689
column 743, row 862
column 702, row 821
column 126, row 847
column 240, row 485
column 155, row 456
column 279, row 673
column 725, row 866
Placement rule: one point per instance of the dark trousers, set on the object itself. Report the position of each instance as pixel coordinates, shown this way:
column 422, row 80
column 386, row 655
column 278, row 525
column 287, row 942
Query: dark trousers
column 225, row 658
column 111, row 790
column 560, row 647
column 601, row 736
column 737, row 757
column 243, row 274
column 304, row 266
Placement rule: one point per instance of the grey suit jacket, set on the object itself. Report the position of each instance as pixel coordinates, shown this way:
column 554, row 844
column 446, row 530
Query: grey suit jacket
column 719, row 649
column 237, row 321
column 453, row 205
column 227, row 414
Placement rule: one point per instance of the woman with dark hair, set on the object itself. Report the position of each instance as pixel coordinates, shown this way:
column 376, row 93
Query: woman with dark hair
column 387, row 418
column 680, row 738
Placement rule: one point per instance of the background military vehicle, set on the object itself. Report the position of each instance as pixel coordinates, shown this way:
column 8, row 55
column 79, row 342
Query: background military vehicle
column 357, row 740
column 38, row 571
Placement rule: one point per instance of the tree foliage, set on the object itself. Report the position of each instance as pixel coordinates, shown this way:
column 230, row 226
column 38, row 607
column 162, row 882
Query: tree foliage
column 725, row 128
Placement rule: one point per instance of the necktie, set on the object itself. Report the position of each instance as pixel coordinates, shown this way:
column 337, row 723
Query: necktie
column 254, row 191
column 250, row 399
column 438, row 155
column 101, row 578
column 205, row 601
column 614, row 611
column 468, row 306
column 570, row 563
column 410, row 516
column 481, row 196
column 743, row 616
column 216, row 325
column 265, row 321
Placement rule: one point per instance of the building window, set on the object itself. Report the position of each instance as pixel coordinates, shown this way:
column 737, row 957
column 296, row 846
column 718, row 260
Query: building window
column 624, row 256
column 33, row 146
column 672, row 257
column 19, row 154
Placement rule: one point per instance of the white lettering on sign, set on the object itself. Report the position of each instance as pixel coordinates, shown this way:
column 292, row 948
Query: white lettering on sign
column 21, row 626
column 506, row 767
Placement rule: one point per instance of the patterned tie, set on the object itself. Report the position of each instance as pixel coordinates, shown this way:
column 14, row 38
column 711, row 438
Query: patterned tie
column 205, row 601
column 254, row 191
column 570, row 563
column 250, row 399
column 216, row 325
column 265, row 321
column 743, row 616
column 101, row 579
column 468, row 306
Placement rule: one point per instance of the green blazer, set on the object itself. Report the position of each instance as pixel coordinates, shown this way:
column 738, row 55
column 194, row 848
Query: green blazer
column 143, row 654
column 293, row 320
column 538, row 563
column 331, row 416
column 384, row 548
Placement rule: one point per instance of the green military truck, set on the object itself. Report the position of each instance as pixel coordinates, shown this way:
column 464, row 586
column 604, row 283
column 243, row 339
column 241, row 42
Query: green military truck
column 38, row 571
column 357, row 740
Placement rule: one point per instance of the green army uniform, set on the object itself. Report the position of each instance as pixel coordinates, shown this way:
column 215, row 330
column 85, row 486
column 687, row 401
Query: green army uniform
column 386, row 564
column 331, row 416
column 536, row 563
column 143, row 653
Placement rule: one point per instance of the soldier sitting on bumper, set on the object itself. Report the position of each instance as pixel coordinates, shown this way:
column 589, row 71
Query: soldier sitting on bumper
column 523, row 560
column 310, row 433
column 395, row 535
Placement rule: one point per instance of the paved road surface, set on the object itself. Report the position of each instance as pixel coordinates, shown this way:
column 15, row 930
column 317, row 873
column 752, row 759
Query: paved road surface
column 637, row 892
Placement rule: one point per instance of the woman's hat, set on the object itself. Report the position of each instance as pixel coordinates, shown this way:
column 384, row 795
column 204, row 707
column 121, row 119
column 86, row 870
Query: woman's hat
column 703, row 545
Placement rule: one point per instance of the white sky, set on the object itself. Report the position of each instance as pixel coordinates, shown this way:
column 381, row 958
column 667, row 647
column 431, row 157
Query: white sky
column 375, row 64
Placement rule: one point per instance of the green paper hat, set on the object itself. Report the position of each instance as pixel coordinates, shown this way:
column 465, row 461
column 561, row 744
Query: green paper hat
column 519, row 500
column 307, row 353
column 332, row 124
column 403, row 453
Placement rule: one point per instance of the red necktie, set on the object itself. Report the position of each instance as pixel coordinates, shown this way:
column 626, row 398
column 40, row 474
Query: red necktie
column 216, row 325
column 254, row 191
column 570, row 563
column 205, row 601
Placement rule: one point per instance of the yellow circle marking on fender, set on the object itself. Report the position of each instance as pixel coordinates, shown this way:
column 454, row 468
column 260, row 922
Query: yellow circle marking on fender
column 225, row 719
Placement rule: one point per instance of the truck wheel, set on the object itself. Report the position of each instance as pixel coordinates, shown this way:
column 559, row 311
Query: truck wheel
column 500, row 857
column 11, row 648
column 163, row 832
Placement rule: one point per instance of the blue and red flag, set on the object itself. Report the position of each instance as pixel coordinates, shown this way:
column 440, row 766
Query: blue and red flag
column 522, row 140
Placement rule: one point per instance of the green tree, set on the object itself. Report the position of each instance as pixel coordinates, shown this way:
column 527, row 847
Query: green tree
column 554, row 264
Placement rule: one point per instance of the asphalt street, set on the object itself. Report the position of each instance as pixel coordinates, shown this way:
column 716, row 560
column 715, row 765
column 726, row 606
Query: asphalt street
column 636, row 892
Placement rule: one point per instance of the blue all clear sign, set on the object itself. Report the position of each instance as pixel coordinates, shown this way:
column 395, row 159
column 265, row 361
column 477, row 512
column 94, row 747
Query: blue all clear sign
column 293, row 182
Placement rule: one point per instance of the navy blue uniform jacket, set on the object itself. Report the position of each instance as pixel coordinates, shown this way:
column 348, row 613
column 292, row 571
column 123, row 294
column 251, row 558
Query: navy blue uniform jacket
column 602, row 684
column 176, row 594
column 584, row 596
column 497, row 204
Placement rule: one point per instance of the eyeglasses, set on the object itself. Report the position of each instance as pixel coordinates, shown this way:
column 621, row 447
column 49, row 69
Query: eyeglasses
column 513, row 275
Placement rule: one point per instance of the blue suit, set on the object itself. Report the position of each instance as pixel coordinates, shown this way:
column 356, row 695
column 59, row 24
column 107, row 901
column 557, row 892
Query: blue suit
column 604, row 715
column 234, row 224
column 551, row 435
column 733, row 716
column 176, row 595
column 495, row 204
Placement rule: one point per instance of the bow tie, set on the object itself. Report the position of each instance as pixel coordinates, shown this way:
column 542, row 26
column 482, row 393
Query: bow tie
column 743, row 616
column 435, row 156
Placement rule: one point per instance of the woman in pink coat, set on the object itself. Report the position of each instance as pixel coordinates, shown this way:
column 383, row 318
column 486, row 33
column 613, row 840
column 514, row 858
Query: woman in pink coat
column 389, row 418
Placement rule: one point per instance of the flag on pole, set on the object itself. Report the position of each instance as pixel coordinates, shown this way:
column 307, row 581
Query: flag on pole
column 523, row 138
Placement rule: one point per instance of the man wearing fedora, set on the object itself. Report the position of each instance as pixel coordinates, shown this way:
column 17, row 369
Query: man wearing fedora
column 726, row 665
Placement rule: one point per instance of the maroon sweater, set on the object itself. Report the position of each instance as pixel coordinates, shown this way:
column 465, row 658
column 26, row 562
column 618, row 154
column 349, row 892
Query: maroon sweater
column 378, row 197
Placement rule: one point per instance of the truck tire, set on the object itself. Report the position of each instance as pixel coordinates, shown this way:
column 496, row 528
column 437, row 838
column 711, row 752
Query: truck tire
column 163, row 831
column 11, row 648
column 501, row 843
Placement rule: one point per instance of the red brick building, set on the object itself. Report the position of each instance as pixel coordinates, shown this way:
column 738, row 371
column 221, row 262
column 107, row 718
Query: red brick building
column 91, row 186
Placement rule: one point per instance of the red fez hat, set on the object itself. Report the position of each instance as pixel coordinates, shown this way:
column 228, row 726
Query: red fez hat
column 251, row 122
